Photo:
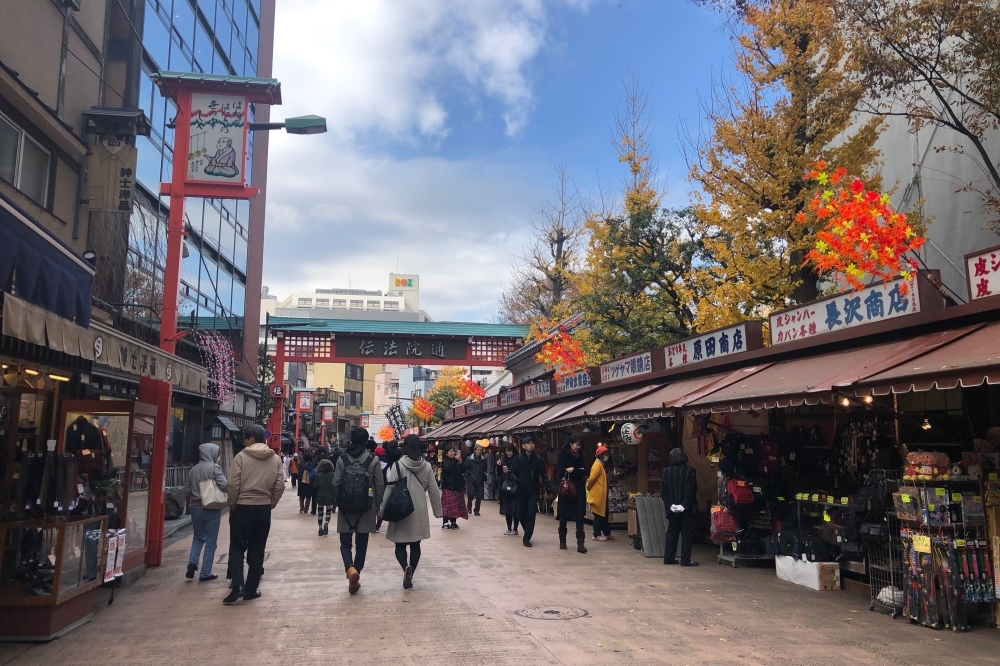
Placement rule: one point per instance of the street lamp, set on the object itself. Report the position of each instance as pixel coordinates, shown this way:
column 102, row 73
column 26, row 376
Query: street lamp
column 296, row 125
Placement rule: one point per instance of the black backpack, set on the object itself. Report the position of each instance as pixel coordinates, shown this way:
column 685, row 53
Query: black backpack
column 356, row 493
column 400, row 504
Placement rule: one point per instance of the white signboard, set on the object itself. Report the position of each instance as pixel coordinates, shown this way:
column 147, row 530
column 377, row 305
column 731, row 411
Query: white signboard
column 573, row 382
column 983, row 270
column 878, row 302
column 732, row 340
column 510, row 397
column 218, row 133
column 536, row 390
column 630, row 366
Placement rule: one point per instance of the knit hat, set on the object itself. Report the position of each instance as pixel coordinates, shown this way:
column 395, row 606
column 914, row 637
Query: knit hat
column 601, row 450
column 379, row 451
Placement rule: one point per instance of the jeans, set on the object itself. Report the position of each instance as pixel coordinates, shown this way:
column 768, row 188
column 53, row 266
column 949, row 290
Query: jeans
column 475, row 492
column 249, row 525
column 206, row 535
column 361, row 541
column 679, row 525
column 527, row 507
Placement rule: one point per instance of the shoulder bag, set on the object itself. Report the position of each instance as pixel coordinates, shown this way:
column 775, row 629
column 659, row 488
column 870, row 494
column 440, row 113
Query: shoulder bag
column 400, row 504
column 212, row 496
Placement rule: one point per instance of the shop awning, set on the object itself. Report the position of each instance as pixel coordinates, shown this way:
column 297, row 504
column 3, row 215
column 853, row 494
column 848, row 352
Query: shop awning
column 551, row 413
column 815, row 379
column 35, row 324
column 663, row 401
column 467, row 426
column 515, row 419
column 485, row 426
column 118, row 351
column 968, row 360
column 596, row 408
column 442, row 431
column 227, row 424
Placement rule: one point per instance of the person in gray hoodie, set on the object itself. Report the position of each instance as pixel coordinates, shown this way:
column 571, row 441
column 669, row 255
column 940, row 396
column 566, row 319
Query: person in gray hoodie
column 204, row 521
column 256, row 483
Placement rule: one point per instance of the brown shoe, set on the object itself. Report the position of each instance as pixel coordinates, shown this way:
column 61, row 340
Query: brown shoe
column 355, row 580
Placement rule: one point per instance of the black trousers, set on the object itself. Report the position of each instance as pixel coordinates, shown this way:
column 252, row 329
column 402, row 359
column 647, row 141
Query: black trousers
column 679, row 525
column 414, row 554
column 527, row 507
column 475, row 492
column 249, row 525
column 295, row 479
column 361, row 549
column 601, row 523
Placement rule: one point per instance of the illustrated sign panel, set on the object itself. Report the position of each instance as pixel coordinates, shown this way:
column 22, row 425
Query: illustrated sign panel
column 872, row 304
column 573, row 382
column 536, row 390
column 218, row 136
column 305, row 402
column 630, row 366
column 328, row 413
column 400, row 348
column 983, row 269
column 732, row 340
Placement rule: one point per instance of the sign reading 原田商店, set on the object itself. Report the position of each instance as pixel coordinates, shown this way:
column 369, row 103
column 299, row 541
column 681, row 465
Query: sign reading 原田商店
column 716, row 344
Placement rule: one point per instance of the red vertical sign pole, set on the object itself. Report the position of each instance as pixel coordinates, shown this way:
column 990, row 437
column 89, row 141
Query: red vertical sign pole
column 277, row 409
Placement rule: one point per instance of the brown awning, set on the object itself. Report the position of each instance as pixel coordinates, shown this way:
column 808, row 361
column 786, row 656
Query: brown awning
column 553, row 412
column 967, row 360
column 468, row 426
column 514, row 419
column 603, row 403
column 662, row 401
column 486, row 426
column 442, row 431
column 814, row 379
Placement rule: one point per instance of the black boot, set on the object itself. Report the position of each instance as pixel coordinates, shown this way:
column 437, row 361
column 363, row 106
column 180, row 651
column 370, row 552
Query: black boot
column 234, row 595
column 580, row 539
column 562, row 538
column 190, row 570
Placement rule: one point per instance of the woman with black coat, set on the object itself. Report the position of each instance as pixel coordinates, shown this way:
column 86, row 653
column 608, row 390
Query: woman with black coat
column 508, row 501
column 453, row 490
column 572, row 508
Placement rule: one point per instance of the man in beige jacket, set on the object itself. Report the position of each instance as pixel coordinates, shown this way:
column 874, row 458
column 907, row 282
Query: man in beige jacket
column 256, row 483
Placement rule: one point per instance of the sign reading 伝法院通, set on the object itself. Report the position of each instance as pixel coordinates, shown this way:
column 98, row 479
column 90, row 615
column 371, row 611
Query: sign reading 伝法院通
column 218, row 137
column 875, row 303
column 983, row 271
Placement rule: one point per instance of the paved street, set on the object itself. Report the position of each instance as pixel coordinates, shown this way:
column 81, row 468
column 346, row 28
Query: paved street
column 463, row 610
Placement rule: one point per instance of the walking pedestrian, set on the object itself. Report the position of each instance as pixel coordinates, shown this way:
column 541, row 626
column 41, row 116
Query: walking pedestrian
column 529, row 472
column 597, row 494
column 293, row 471
column 452, row 490
column 508, row 499
column 254, row 488
column 305, row 491
column 572, row 506
column 679, row 490
column 204, row 521
column 325, row 497
column 285, row 462
column 356, row 483
column 420, row 481
column 475, row 477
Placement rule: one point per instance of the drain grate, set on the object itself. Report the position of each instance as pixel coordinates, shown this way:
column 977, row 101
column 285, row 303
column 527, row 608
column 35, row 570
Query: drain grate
column 552, row 612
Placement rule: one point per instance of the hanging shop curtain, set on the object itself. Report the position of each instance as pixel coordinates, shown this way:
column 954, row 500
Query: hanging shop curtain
column 36, row 325
column 40, row 269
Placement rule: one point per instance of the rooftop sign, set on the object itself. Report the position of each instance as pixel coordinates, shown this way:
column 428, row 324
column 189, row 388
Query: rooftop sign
column 983, row 271
column 736, row 339
column 630, row 366
column 573, row 382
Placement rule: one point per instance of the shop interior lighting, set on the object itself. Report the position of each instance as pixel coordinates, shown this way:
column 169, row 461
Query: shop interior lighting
column 29, row 371
column 845, row 402
column 612, row 428
column 869, row 400
column 58, row 378
column 926, row 425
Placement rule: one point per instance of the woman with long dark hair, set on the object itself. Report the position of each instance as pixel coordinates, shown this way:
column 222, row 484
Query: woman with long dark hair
column 409, row 532
column 508, row 500
column 452, row 490
column 572, row 504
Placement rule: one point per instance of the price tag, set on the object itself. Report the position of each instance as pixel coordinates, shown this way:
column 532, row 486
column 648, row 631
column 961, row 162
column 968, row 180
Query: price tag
column 930, row 507
column 826, row 517
column 956, row 497
column 844, row 500
column 79, row 489
column 941, row 492
column 781, row 499
column 109, row 505
column 905, row 498
column 993, row 476
column 815, row 497
column 922, row 543
column 960, row 543
column 791, row 456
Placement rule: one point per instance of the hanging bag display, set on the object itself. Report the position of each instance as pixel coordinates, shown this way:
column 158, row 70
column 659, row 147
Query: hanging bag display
column 567, row 488
column 212, row 496
column 400, row 504
column 740, row 491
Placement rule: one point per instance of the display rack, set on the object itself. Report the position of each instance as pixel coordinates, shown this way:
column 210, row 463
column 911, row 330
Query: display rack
column 748, row 539
column 884, row 561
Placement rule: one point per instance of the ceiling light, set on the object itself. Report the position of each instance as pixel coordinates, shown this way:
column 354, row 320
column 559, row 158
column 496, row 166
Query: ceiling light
column 869, row 400
column 29, row 371
column 926, row 425
column 845, row 402
column 59, row 378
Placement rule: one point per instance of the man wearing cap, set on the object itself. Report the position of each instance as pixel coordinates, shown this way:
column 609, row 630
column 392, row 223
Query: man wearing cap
column 475, row 476
column 529, row 470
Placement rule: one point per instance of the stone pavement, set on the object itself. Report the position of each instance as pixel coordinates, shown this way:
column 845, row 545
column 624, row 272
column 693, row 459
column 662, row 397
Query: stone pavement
column 463, row 610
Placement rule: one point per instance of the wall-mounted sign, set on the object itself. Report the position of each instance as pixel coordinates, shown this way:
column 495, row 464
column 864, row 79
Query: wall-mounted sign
column 401, row 348
column 490, row 402
column 460, row 410
column 278, row 391
column 218, row 138
column 724, row 342
column 630, row 366
column 364, row 420
column 982, row 269
column 473, row 407
column 537, row 390
column 573, row 382
column 878, row 302
column 119, row 352
column 510, row 397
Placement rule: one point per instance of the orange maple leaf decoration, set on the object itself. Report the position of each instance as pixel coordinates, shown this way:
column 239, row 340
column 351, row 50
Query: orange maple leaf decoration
column 470, row 390
column 423, row 409
column 386, row 433
column 559, row 352
column 861, row 236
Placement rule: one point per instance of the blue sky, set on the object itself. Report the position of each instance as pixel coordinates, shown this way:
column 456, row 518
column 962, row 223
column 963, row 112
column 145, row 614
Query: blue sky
column 447, row 119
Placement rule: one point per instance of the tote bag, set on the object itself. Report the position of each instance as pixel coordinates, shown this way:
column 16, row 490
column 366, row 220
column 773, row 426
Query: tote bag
column 212, row 496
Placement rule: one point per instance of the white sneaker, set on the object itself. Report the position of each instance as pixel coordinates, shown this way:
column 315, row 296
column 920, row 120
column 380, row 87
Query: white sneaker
column 509, row 532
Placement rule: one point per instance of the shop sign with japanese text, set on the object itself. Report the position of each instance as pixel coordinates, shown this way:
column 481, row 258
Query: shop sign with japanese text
column 328, row 413
column 490, row 402
column 878, row 302
column 218, row 137
column 732, row 340
column 630, row 366
column 460, row 410
column 536, row 390
column 573, row 382
column 400, row 348
column 305, row 401
column 983, row 271
column 510, row 397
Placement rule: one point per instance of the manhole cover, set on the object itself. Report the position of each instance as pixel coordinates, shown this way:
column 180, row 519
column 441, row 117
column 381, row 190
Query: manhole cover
column 552, row 612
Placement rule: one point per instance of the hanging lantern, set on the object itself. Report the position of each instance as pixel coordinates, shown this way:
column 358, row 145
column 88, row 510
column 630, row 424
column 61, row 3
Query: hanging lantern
column 630, row 433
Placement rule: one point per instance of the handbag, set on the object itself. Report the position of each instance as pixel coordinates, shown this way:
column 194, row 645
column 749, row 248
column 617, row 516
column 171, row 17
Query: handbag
column 740, row 491
column 567, row 488
column 400, row 504
column 723, row 524
column 509, row 487
column 212, row 496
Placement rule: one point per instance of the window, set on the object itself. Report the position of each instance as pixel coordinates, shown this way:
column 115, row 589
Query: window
column 305, row 302
column 340, row 304
column 357, row 305
column 322, row 302
column 374, row 305
column 390, row 305
column 340, row 401
column 23, row 162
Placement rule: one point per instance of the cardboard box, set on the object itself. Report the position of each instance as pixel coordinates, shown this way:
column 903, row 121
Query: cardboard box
column 819, row 576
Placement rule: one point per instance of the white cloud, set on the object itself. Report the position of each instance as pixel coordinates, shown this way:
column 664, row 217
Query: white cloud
column 382, row 72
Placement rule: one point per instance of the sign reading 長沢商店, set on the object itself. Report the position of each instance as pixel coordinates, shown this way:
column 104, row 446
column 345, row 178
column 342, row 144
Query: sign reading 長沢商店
column 983, row 271
column 573, row 382
column 218, row 139
column 724, row 342
column 875, row 303
column 630, row 366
